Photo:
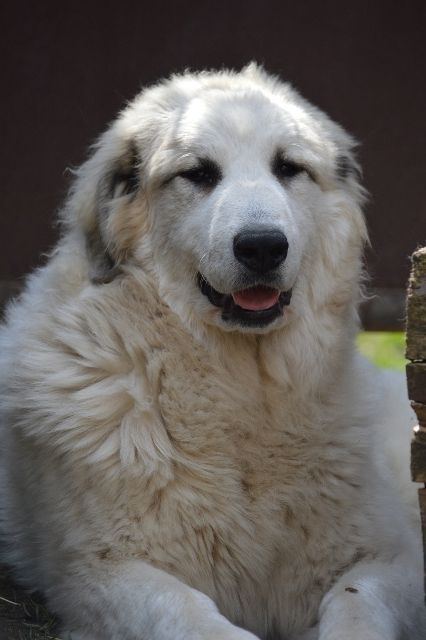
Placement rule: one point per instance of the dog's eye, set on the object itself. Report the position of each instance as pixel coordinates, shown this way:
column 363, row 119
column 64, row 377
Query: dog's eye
column 283, row 168
column 206, row 174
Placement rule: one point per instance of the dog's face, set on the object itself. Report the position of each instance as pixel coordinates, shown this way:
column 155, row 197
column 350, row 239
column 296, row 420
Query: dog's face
column 250, row 192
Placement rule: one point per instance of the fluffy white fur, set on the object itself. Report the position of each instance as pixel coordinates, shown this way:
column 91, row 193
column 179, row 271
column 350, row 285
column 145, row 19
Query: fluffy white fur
column 167, row 475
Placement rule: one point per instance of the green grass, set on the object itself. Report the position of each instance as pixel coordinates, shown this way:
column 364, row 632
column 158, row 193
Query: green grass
column 385, row 349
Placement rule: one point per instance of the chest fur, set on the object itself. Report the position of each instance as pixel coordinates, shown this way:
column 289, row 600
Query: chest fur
column 207, row 470
column 249, row 491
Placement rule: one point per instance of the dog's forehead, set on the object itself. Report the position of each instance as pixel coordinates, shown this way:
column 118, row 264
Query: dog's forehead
column 247, row 119
column 226, row 118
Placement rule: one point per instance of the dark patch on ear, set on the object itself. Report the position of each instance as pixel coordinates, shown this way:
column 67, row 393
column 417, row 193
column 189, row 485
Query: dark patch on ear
column 125, row 177
column 121, row 180
column 103, row 267
column 346, row 167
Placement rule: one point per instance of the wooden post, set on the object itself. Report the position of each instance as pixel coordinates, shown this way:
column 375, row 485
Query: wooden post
column 416, row 375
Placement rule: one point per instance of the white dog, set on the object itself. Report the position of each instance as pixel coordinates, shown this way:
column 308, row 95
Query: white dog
column 193, row 450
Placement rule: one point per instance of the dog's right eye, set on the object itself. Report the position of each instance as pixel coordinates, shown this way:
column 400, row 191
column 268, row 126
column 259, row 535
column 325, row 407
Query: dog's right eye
column 206, row 174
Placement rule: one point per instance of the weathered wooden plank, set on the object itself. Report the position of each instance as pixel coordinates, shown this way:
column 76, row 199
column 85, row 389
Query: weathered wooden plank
column 416, row 380
column 416, row 377
column 416, row 308
column 422, row 502
column 418, row 460
column 419, row 433
column 420, row 411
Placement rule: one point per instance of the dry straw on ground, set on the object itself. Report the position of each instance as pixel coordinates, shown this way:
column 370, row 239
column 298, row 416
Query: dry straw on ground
column 23, row 616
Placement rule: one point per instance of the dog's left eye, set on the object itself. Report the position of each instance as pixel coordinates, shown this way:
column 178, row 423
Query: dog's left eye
column 206, row 174
column 283, row 168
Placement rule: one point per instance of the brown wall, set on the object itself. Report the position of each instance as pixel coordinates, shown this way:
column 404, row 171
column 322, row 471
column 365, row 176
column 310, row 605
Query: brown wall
column 67, row 69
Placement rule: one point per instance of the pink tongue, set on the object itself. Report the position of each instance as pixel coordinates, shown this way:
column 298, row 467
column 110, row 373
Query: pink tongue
column 256, row 298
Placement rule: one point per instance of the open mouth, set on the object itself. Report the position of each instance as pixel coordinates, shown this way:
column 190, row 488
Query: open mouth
column 251, row 307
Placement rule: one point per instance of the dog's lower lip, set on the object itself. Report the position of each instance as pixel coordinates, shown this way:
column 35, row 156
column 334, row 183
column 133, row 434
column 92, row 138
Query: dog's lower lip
column 252, row 314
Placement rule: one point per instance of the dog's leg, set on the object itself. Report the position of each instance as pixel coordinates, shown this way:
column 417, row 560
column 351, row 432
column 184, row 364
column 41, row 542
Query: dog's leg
column 134, row 601
column 375, row 601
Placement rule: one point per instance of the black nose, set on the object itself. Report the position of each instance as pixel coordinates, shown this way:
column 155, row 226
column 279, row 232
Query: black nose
column 260, row 250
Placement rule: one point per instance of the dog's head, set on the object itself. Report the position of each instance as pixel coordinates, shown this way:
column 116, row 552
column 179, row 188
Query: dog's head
column 241, row 196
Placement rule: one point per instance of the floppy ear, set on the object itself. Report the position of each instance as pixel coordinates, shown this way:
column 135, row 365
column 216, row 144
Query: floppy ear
column 110, row 240
column 347, row 167
column 103, row 204
column 349, row 172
